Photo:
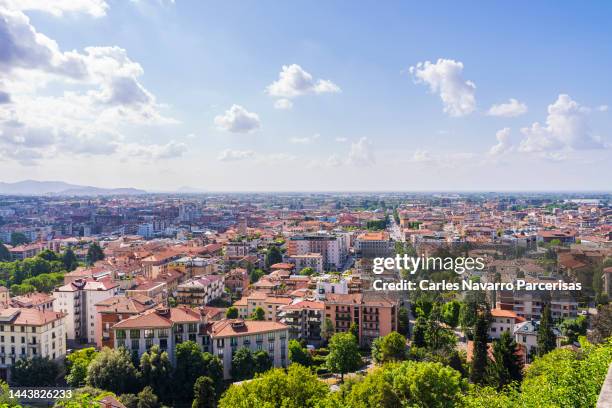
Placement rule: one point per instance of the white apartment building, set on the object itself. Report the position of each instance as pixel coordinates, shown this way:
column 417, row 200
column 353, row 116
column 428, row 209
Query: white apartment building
column 332, row 247
column 167, row 328
column 503, row 321
column 200, row 290
column 78, row 301
column 312, row 260
column 228, row 335
column 30, row 332
column 526, row 336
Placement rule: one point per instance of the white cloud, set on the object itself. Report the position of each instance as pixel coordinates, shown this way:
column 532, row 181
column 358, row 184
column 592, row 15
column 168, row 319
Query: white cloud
column 283, row 104
column 602, row 108
column 341, row 139
column 95, row 8
column 293, row 81
column 238, row 120
column 446, row 78
column 509, row 110
column 235, row 155
column 304, row 140
column 94, row 95
column 503, row 142
column 361, row 153
column 566, row 127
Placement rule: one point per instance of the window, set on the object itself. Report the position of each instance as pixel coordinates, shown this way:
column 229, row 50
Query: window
column 148, row 333
column 162, row 333
column 163, row 344
column 134, row 334
column 120, row 334
column 135, row 344
column 524, row 339
column 22, row 329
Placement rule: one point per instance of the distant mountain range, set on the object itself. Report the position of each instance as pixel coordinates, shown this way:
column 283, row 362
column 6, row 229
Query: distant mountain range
column 32, row 187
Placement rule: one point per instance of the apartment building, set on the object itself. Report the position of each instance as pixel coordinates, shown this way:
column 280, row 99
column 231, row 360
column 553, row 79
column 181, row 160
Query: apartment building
column 304, row 319
column 269, row 303
column 332, row 247
column 78, row 301
column 530, row 304
column 36, row 300
column 312, row 260
column 374, row 245
column 526, row 336
column 374, row 314
column 237, row 281
column 115, row 309
column 200, row 290
column 165, row 327
column 503, row 321
column 227, row 336
column 30, row 332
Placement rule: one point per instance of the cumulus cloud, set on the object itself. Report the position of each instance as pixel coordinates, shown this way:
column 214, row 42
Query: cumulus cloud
column 95, row 8
column 341, row 139
column 283, row 104
column 445, row 77
column 169, row 150
column 421, row 156
column 602, row 108
column 95, row 94
column 304, row 140
column 293, row 81
column 566, row 127
column 238, row 120
column 361, row 153
column 510, row 109
column 503, row 142
column 235, row 155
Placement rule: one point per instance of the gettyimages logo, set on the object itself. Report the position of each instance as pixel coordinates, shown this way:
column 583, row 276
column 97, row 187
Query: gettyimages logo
column 428, row 263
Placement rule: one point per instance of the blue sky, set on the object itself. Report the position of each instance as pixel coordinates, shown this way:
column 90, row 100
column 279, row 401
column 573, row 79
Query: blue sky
column 155, row 110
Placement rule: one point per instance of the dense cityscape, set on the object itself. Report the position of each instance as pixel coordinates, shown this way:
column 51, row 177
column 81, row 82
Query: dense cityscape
column 147, row 300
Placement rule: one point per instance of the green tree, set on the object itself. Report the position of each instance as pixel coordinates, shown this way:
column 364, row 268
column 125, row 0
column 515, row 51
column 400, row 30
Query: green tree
column 77, row 363
column 450, row 313
column 298, row 354
column 147, row 398
column 391, row 347
column 204, row 393
column 112, row 370
column 507, row 367
column 327, row 331
column 354, row 330
column 308, row 271
column 480, row 358
column 34, row 372
column 602, row 324
column 231, row 312
column 273, row 256
column 258, row 314
column 70, row 260
column 403, row 321
column 5, row 254
column 298, row 387
column 547, row 340
column 156, row 371
column 6, row 401
column 48, row 255
column 573, row 328
column 191, row 364
column 255, row 275
column 343, row 354
column 94, row 254
column 243, row 364
column 262, row 361
column 418, row 332
column 18, row 238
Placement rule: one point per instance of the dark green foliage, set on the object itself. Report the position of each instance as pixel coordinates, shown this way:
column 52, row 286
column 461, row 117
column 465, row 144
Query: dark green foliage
column 298, row 354
column 546, row 337
column 191, row 364
column 156, row 371
column 418, row 332
column 113, row 370
column 17, row 238
column 343, row 354
column 70, row 260
column 258, row 314
column 204, row 393
column 480, row 359
column 34, row 372
column 231, row 312
column 273, row 256
column 403, row 321
column 94, row 254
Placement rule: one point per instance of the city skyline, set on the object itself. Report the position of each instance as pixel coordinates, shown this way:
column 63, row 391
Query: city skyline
column 158, row 95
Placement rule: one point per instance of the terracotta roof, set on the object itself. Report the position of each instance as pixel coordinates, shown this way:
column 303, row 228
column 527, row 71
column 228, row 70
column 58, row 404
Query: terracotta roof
column 306, row 304
column 122, row 304
column 503, row 313
column 234, row 327
column 28, row 316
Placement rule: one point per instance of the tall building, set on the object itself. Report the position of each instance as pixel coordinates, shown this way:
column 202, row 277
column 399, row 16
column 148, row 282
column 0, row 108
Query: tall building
column 30, row 332
column 332, row 247
column 78, row 301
